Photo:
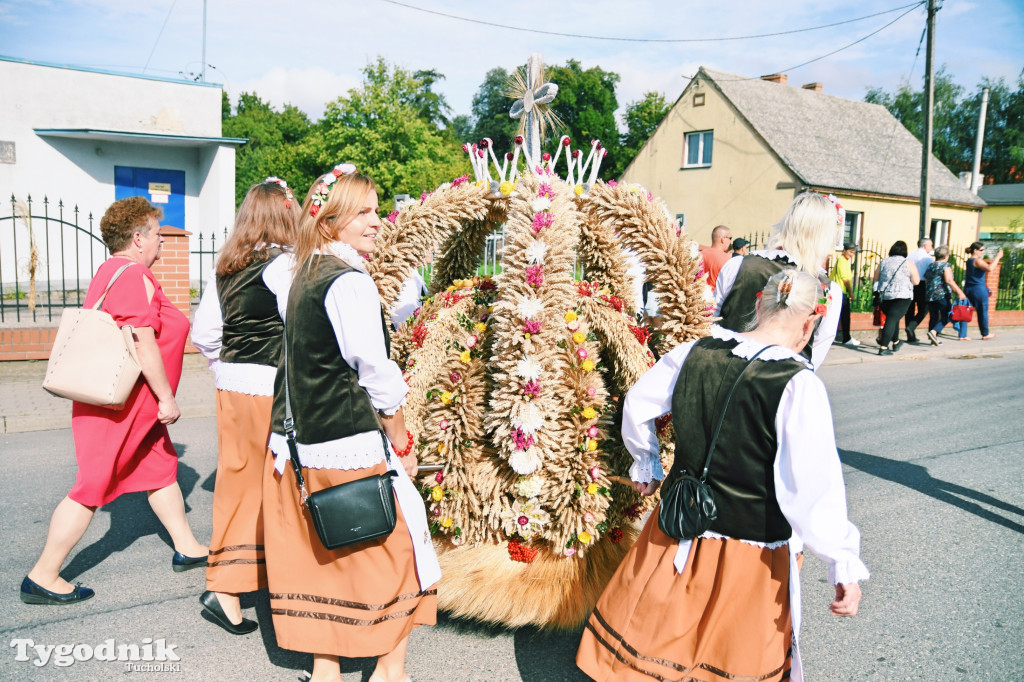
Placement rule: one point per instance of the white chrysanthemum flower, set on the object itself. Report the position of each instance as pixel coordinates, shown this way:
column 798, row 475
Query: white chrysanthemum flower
column 530, row 307
column 540, row 204
column 524, row 462
column 529, row 420
column 536, row 251
column 529, row 486
column 694, row 250
column 709, row 294
column 528, row 368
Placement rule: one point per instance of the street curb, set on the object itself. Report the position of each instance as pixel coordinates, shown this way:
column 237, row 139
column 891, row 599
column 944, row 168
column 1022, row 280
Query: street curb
column 901, row 355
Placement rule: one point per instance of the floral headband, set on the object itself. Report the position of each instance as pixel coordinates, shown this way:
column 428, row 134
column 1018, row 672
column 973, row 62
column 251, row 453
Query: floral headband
column 288, row 196
column 786, row 288
column 840, row 211
column 323, row 188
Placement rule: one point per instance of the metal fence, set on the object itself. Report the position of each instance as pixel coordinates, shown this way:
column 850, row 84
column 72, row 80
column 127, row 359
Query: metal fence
column 207, row 250
column 48, row 254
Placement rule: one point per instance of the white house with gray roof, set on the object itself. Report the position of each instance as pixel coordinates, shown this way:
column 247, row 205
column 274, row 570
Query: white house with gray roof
column 734, row 151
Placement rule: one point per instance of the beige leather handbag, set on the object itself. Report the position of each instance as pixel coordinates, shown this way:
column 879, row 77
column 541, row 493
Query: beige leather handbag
column 93, row 360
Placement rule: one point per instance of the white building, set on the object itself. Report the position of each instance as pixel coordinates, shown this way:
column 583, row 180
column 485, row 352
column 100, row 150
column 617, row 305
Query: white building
column 89, row 137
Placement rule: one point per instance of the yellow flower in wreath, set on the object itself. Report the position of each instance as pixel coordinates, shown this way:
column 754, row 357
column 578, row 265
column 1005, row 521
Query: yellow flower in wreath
column 584, row 537
column 579, row 337
column 591, row 488
column 479, row 327
column 446, row 396
column 592, row 445
column 506, row 188
column 587, row 365
column 447, row 522
column 589, row 412
column 464, row 356
column 570, row 316
column 442, row 448
column 437, row 493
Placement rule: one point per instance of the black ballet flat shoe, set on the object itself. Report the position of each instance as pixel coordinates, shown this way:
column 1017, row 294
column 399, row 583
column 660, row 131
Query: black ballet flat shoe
column 180, row 562
column 211, row 605
column 31, row 593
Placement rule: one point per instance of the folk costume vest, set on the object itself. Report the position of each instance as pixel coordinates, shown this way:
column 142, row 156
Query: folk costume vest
column 742, row 468
column 754, row 273
column 252, row 326
column 327, row 400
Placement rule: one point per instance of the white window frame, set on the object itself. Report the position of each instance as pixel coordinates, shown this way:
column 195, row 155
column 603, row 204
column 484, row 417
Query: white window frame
column 939, row 233
column 699, row 136
column 855, row 222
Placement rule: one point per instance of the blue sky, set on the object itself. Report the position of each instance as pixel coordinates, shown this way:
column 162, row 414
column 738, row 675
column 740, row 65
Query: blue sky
column 310, row 53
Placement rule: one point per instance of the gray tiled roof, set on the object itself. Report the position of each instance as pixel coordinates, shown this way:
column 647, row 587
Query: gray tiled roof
column 837, row 143
column 1002, row 195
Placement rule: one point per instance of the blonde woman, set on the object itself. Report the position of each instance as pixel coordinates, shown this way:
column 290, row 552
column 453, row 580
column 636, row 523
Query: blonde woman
column 803, row 239
column 365, row 599
column 238, row 328
column 726, row 604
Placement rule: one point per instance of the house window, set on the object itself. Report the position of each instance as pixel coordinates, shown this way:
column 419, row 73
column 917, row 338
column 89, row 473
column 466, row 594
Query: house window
column 939, row 234
column 850, row 234
column 698, row 149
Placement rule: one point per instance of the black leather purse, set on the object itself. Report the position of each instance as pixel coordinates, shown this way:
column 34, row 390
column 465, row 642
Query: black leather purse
column 688, row 508
column 349, row 513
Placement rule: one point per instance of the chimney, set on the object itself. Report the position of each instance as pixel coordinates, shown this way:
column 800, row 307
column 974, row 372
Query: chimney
column 816, row 87
column 779, row 78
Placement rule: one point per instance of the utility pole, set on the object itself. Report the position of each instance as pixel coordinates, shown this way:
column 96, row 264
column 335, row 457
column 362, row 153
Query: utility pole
column 979, row 143
column 204, row 42
column 924, row 228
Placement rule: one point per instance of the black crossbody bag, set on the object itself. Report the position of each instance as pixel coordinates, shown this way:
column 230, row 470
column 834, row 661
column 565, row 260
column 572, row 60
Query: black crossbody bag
column 349, row 513
column 688, row 507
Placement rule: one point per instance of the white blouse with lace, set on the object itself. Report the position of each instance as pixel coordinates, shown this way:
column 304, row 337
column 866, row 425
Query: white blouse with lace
column 208, row 331
column 353, row 308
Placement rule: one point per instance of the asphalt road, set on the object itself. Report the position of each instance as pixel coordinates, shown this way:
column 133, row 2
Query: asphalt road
column 934, row 468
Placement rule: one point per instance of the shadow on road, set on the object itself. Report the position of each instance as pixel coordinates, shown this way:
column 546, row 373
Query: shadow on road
column 917, row 478
column 130, row 519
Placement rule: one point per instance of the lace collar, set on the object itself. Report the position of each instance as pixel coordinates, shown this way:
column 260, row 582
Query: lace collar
column 345, row 253
column 775, row 254
column 748, row 347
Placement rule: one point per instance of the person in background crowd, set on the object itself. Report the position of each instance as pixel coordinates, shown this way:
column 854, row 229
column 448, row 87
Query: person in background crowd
column 740, row 247
column 726, row 604
column 718, row 254
column 364, row 599
column 976, row 289
column 237, row 327
column 842, row 274
column 921, row 259
column 803, row 239
column 896, row 276
column 939, row 280
column 127, row 450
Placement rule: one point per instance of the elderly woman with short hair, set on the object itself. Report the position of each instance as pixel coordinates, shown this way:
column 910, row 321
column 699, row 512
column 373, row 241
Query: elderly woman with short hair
column 127, row 450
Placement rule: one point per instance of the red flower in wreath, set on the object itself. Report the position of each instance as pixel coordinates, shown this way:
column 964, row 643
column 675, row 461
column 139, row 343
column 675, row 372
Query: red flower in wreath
column 517, row 551
column 419, row 334
column 820, row 309
column 313, row 210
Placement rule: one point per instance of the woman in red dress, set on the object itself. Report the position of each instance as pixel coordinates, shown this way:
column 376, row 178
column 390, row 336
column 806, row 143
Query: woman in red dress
column 129, row 450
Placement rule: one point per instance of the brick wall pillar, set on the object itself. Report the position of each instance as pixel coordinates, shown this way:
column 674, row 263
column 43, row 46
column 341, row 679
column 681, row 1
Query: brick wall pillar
column 992, row 282
column 172, row 268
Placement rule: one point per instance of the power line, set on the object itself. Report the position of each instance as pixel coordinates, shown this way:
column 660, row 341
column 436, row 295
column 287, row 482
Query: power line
column 836, row 51
column 645, row 40
column 162, row 27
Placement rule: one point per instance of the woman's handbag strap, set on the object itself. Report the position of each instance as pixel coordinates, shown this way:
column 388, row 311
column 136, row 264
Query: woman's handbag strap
column 721, row 415
column 289, row 430
column 113, row 279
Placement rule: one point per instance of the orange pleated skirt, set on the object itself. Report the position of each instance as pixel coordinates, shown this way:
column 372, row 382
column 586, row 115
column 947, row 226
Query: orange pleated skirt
column 354, row 602
column 725, row 617
column 236, row 562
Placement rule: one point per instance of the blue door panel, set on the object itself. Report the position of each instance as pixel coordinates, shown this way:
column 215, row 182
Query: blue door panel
column 138, row 182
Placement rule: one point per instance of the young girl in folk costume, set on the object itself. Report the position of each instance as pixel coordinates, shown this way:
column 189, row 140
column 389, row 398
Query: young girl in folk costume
column 726, row 604
column 364, row 599
column 803, row 239
column 238, row 327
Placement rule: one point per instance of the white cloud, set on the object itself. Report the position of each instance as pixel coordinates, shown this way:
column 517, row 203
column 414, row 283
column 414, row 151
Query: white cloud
column 310, row 88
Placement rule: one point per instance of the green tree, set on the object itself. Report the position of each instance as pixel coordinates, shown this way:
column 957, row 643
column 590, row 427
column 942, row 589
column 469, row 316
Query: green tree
column 1002, row 157
column 585, row 103
column 382, row 127
column 907, row 105
column 274, row 137
column 642, row 119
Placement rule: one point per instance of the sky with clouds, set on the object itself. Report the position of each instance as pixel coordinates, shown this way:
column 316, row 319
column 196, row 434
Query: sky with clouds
column 310, row 53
